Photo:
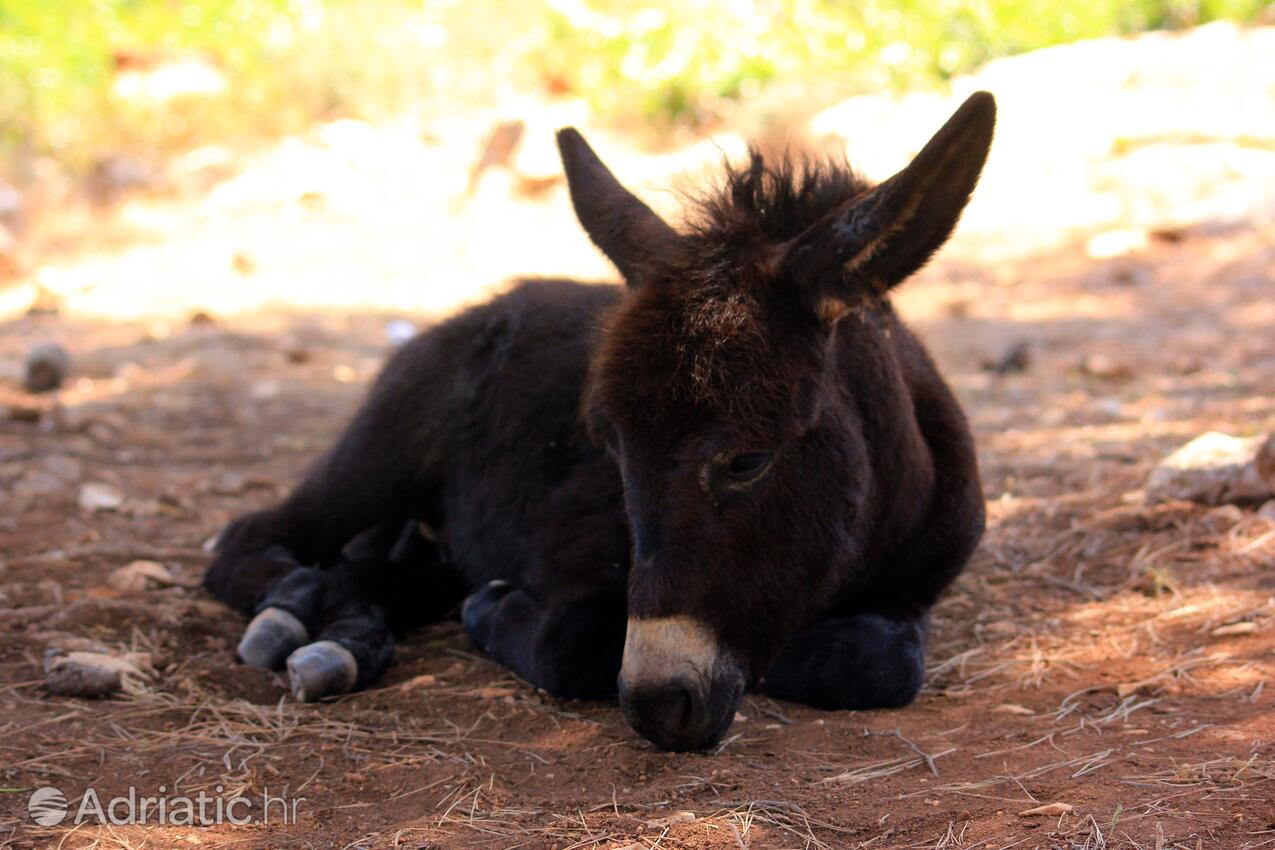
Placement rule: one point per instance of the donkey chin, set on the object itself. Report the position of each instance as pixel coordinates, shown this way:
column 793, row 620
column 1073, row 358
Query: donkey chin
column 678, row 684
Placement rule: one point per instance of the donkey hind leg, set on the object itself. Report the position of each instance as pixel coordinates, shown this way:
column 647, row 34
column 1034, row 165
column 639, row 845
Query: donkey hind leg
column 570, row 648
column 332, row 627
column 861, row 661
column 300, row 600
column 379, row 462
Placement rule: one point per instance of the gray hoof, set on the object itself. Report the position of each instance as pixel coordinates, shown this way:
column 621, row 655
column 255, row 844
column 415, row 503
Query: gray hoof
column 270, row 638
column 322, row 669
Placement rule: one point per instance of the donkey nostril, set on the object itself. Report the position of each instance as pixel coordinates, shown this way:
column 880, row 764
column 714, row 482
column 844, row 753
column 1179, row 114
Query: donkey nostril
column 676, row 708
column 671, row 715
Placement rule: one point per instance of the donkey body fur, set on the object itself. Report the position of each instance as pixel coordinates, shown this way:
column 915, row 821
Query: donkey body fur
column 739, row 470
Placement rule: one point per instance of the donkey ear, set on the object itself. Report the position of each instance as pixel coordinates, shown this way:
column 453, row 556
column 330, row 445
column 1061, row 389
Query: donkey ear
column 879, row 238
column 623, row 227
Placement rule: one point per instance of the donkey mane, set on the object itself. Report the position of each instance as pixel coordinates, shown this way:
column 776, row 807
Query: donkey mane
column 770, row 199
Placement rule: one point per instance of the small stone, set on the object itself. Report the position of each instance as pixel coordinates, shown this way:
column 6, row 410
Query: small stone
column 1049, row 810
column 1014, row 358
column 1014, row 708
column 141, row 575
column 79, row 680
column 1216, row 469
column 1267, row 511
column 229, row 483
column 672, row 820
column 96, row 496
column 1111, row 408
column 46, row 368
column 399, row 331
column 264, row 390
column 94, row 674
column 1106, row 368
column 1115, row 243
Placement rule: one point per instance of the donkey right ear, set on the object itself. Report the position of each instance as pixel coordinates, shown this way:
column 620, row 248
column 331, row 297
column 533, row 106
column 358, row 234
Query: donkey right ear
column 623, row 227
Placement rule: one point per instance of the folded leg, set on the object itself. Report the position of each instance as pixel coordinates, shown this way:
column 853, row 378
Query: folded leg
column 861, row 661
column 569, row 647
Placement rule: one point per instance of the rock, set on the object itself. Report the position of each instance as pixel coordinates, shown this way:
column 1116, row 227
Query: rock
column 672, row 820
column 1015, row 357
column 94, row 674
column 141, row 575
column 265, row 390
column 1215, row 469
column 229, row 483
column 1267, row 511
column 1050, row 810
column 399, row 331
column 96, row 496
column 1106, row 368
column 1013, row 708
column 46, row 368
column 1115, row 243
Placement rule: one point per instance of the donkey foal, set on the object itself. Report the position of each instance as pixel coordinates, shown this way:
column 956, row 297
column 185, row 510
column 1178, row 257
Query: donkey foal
column 739, row 470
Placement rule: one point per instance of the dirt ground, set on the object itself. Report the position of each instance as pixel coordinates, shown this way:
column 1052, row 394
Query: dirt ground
column 1099, row 652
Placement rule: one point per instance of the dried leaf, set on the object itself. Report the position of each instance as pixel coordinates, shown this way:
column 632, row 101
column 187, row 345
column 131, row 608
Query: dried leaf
column 1244, row 628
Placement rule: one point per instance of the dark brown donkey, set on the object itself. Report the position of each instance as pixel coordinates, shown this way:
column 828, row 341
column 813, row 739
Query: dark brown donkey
column 740, row 470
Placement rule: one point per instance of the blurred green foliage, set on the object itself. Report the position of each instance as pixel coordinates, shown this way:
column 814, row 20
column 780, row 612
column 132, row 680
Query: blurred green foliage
column 290, row 62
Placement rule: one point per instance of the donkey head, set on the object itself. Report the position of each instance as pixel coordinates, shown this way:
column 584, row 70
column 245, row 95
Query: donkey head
column 734, row 427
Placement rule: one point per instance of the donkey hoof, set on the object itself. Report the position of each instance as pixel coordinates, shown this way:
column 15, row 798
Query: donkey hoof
column 270, row 638
column 321, row 669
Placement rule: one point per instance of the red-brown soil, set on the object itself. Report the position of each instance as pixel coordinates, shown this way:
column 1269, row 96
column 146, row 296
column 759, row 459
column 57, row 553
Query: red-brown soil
column 1075, row 662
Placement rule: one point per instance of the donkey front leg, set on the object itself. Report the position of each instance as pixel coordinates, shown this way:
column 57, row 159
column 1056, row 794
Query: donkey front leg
column 861, row 661
column 569, row 647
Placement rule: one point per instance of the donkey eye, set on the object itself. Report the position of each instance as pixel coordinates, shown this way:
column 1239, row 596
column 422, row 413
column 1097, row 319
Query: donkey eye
column 747, row 466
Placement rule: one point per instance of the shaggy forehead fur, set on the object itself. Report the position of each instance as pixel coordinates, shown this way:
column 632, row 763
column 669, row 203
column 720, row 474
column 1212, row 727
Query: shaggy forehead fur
column 713, row 326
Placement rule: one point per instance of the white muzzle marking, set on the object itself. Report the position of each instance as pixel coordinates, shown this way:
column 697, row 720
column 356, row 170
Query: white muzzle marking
column 661, row 649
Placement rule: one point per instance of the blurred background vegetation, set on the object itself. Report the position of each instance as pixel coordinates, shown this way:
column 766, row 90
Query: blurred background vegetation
column 80, row 77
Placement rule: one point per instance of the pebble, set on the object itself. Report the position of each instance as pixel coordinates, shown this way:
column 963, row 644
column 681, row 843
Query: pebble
column 1106, row 368
column 46, row 368
column 1216, row 469
column 94, row 674
column 96, row 496
column 141, row 575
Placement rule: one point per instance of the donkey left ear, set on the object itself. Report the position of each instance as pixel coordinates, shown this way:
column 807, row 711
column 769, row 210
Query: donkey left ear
column 626, row 229
column 879, row 238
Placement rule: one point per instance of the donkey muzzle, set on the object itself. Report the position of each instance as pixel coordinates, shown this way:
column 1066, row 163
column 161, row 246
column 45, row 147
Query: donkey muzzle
column 679, row 686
